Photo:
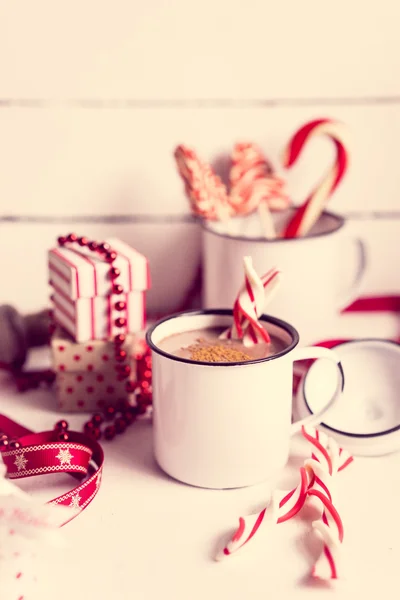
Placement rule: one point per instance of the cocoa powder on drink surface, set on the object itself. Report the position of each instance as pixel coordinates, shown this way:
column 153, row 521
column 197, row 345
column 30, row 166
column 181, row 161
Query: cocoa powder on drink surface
column 216, row 353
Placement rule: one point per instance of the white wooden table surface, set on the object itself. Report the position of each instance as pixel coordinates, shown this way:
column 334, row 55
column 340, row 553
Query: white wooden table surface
column 146, row 536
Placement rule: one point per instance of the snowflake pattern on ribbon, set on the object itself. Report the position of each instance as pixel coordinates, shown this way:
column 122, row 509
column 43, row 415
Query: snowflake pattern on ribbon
column 20, row 462
column 65, row 457
column 75, row 500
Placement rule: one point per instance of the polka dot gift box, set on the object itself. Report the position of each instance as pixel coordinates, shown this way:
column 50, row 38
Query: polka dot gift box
column 87, row 372
column 98, row 305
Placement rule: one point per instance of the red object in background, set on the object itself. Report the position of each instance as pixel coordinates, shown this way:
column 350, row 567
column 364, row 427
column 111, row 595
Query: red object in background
column 27, row 454
column 375, row 304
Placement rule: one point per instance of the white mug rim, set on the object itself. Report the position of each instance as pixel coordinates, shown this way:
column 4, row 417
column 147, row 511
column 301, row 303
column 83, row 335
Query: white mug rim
column 340, row 223
column 223, row 312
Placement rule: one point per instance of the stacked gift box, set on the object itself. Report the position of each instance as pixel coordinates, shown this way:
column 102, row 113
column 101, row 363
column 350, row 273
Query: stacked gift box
column 98, row 297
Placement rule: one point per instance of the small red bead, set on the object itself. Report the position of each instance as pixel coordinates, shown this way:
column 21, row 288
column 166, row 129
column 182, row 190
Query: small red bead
column 109, row 413
column 61, row 425
column 144, row 384
column 122, row 405
column 95, row 433
column 103, row 247
column 119, row 339
column 120, row 425
column 123, row 369
column 110, row 256
column 141, row 409
column 120, row 305
column 88, row 427
column 147, row 374
column 63, row 436
column 109, row 432
column 117, row 289
column 114, row 272
column 92, row 246
column 120, row 322
column 128, row 417
column 144, row 399
column 97, row 419
column 72, row 237
column 61, row 240
column 14, row 444
column 83, row 241
column 130, row 386
column 120, row 356
column 3, row 439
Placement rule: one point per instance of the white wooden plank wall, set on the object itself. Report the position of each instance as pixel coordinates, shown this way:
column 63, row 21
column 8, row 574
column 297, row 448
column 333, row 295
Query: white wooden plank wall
column 95, row 95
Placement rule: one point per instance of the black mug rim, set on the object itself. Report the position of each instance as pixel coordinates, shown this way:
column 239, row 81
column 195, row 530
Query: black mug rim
column 340, row 222
column 223, row 312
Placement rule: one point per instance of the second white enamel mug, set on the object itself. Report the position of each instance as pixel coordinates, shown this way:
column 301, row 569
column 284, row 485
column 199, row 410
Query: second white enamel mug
column 315, row 269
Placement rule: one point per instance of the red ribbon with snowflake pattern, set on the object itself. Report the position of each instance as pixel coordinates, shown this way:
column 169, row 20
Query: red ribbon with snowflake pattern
column 27, row 454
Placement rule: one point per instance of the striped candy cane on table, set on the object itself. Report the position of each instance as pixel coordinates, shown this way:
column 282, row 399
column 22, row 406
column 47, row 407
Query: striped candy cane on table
column 250, row 304
column 327, row 460
column 287, row 508
column 315, row 486
column 308, row 213
column 254, row 186
column 206, row 192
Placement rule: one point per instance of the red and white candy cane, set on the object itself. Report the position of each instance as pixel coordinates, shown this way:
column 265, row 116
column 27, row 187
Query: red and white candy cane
column 327, row 460
column 249, row 305
column 254, row 186
column 308, row 214
column 252, row 180
column 283, row 510
column 314, row 484
column 206, row 192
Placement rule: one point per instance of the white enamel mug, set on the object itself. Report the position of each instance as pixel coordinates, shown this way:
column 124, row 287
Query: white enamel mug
column 226, row 425
column 314, row 269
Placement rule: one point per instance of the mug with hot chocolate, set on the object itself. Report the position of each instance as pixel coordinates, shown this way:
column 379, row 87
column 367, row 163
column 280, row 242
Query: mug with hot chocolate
column 222, row 389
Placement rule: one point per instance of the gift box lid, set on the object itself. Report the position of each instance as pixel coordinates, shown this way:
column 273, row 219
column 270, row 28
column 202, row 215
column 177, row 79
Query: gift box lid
column 366, row 418
column 80, row 273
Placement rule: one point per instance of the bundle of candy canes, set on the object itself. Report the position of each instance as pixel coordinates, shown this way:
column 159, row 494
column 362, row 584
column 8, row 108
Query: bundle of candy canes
column 315, row 487
column 250, row 304
column 254, row 186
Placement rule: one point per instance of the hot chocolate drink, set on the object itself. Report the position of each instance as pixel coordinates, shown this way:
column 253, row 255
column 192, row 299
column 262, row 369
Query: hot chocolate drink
column 205, row 345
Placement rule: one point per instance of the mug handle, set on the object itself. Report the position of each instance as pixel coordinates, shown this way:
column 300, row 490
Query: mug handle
column 351, row 294
column 318, row 352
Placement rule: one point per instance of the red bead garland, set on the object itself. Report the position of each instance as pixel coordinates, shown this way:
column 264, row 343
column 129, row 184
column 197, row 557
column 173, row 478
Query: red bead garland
column 125, row 414
column 104, row 249
column 122, row 416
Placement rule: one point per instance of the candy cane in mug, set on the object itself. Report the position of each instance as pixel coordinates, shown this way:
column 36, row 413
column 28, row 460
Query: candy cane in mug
column 253, row 186
column 308, row 214
column 206, row 192
column 250, row 304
